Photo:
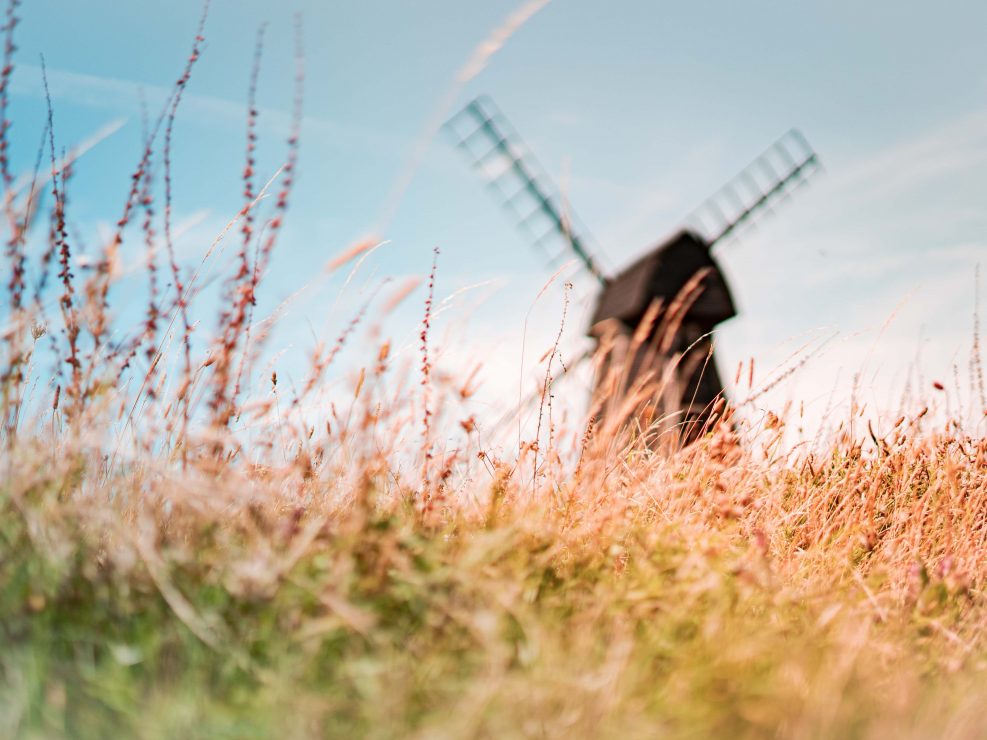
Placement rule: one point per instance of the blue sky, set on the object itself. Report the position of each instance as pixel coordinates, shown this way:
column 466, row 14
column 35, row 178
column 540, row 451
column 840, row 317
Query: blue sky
column 642, row 108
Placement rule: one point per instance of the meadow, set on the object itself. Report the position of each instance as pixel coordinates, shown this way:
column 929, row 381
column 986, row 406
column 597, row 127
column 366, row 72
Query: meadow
column 179, row 558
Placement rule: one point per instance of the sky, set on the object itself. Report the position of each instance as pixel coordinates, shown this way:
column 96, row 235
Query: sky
column 864, row 282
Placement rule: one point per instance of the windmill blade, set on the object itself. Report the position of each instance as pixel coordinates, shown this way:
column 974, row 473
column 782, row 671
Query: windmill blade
column 522, row 187
column 785, row 166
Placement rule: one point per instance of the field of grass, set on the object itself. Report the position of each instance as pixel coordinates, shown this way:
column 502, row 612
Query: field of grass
column 178, row 560
column 709, row 594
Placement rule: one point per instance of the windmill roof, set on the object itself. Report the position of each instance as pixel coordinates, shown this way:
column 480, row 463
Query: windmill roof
column 660, row 275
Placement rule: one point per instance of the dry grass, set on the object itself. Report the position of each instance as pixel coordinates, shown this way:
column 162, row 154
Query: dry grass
column 711, row 592
column 176, row 560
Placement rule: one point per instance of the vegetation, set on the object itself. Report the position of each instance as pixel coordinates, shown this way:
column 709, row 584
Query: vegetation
column 179, row 561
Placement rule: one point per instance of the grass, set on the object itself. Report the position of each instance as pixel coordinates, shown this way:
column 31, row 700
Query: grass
column 642, row 606
column 179, row 561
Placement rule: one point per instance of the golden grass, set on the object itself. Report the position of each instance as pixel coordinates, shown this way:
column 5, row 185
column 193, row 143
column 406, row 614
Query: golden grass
column 714, row 591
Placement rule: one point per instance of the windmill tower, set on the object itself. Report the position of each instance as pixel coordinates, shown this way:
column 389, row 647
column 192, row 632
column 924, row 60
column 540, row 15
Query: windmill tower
column 655, row 317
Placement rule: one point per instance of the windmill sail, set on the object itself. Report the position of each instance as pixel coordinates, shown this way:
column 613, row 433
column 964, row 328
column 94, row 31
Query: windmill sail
column 784, row 166
column 678, row 276
column 522, row 187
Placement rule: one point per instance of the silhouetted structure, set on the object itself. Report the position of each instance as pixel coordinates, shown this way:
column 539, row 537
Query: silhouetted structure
column 685, row 338
column 677, row 288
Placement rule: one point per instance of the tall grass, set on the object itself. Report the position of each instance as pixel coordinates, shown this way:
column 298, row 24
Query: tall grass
column 176, row 559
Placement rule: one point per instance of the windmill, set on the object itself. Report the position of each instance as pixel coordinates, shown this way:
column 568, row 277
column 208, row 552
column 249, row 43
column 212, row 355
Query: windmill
column 672, row 297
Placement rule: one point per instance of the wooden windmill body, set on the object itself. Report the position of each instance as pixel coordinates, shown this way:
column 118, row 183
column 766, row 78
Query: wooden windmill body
column 654, row 320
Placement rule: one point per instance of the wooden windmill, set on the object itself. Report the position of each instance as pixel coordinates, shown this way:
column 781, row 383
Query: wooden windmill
column 656, row 316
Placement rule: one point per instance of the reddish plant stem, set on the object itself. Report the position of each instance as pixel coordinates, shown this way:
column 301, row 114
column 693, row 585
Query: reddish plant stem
column 249, row 195
column 9, row 48
column 181, row 303
column 60, row 246
column 426, row 368
column 233, row 322
column 12, row 374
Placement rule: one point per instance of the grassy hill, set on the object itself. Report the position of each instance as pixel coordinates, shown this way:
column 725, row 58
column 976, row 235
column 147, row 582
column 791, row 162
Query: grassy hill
column 707, row 594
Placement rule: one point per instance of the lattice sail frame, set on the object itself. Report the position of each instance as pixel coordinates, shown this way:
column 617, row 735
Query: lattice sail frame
column 782, row 168
column 512, row 172
column 521, row 185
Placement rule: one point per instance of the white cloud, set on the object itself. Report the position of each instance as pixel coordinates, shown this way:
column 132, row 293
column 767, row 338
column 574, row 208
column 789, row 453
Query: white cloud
column 122, row 95
column 883, row 252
